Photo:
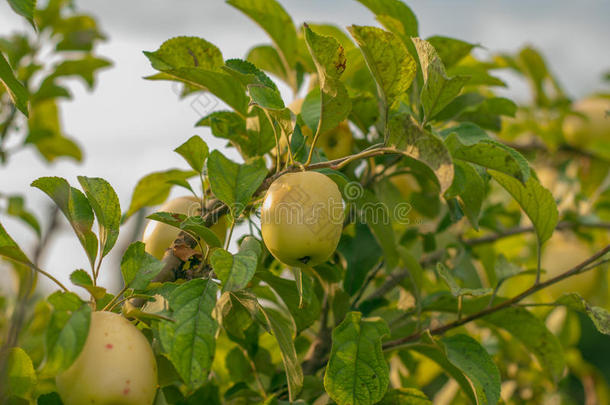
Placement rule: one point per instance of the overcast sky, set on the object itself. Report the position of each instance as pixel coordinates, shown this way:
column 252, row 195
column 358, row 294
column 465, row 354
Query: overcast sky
column 128, row 127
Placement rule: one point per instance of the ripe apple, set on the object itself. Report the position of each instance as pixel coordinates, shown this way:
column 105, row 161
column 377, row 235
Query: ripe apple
column 158, row 237
column 592, row 127
column 116, row 366
column 302, row 218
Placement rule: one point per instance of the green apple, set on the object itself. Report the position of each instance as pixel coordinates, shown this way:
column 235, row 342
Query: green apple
column 592, row 127
column 158, row 237
column 302, row 218
column 116, row 366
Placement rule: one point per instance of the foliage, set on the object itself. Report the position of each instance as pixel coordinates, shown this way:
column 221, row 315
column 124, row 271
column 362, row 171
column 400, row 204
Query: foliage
column 440, row 285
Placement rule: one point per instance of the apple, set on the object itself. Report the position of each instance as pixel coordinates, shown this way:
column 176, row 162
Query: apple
column 302, row 218
column 158, row 237
column 116, row 366
column 593, row 126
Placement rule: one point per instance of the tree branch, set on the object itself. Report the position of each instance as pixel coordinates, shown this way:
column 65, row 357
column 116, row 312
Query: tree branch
column 584, row 266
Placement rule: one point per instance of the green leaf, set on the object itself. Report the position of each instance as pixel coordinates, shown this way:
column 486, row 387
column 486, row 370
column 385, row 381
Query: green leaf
column 265, row 97
column 357, row 372
column 232, row 183
column 439, row 89
column 16, row 208
column 237, row 310
column 330, row 62
column 76, row 208
column 235, row 271
column 77, row 32
column 179, row 52
column 20, row 373
column 84, row 68
column 195, row 151
column 247, row 73
column 477, row 365
column 390, row 63
column 193, row 225
column 82, row 279
column 189, row 342
column 598, row 315
column 405, row 396
column 138, row 267
column 470, row 143
column 532, row 332
column 106, row 207
column 304, row 315
column 456, row 290
column 535, row 200
column 469, row 188
column 283, row 331
column 413, row 141
column 272, row 18
column 18, row 93
column 265, row 57
column 395, row 16
column 361, row 252
column 450, row 50
column 153, row 189
column 67, row 332
column 24, row 8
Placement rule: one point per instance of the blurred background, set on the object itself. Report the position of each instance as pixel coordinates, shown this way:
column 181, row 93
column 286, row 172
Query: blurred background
column 128, row 127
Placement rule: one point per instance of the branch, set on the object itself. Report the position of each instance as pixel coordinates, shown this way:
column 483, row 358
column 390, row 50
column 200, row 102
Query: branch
column 584, row 266
column 563, row 225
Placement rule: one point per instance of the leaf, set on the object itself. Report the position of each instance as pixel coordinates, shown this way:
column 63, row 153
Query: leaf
column 19, row 94
column 535, row 200
column 390, row 63
column 456, row 290
column 105, row 205
column 67, row 332
column 265, row 97
column 272, row 18
column 439, row 89
column 82, row 279
column 413, row 141
column 84, row 68
column 232, row 183
column 247, row 73
column 189, row 342
column 265, row 57
column 330, row 61
column 361, row 252
column 138, row 267
column 303, row 315
column 469, row 188
column 357, row 372
column 450, row 50
column 75, row 207
column 283, row 331
column 195, row 151
column 16, row 208
column 186, row 51
column 235, row 271
column 598, row 315
column 193, row 225
column 10, row 249
column 477, row 365
column 24, row 8
column 405, row 396
column 534, row 335
column 237, row 310
column 470, row 143
column 153, row 189
column 395, row 16
column 20, row 374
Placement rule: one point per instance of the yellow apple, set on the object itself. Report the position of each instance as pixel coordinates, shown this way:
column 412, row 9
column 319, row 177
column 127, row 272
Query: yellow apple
column 158, row 237
column 302, row 218
column 116, row 366
column 593, row 126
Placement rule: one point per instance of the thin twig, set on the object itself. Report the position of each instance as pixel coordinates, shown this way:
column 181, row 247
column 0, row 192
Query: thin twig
column 533, row 289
